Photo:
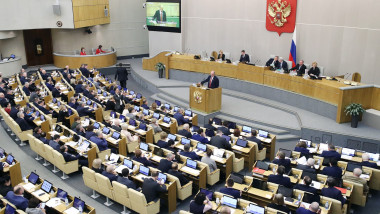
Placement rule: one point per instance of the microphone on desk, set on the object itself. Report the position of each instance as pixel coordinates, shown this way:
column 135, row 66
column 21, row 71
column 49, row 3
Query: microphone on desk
column 348, row 76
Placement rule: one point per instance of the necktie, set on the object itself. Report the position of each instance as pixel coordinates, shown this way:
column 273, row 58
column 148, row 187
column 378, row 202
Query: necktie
column 209, row 85
column 161, row 16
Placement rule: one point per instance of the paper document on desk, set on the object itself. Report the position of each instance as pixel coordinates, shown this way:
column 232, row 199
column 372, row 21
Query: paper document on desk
column 71, row 210
column 302, row 160
column 364, row 176
column 38, row 193
column 190, row 170
column 236, row 147
column 28, row 186
column 38, row 123
column 52, row 133
column 316, row 184
column 156, row 158
column 120, row 168
column 347, row 157
column 216, row 158
column 53, row 202
column 71, row 143
column 312, row 150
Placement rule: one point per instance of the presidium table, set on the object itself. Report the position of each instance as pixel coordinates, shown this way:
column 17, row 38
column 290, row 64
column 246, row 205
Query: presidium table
column 339, row 93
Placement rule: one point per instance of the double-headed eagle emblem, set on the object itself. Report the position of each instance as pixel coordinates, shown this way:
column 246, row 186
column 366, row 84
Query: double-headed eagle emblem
column 197, row 96
column 278, row 12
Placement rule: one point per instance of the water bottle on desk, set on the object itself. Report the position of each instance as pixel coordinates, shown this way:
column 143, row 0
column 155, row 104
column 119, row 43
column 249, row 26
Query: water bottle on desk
column 274, row 170
column 67, row 201
column 326, row 205
column 80, row 209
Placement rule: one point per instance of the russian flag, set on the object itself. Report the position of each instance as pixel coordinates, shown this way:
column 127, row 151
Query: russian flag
column 293, row 49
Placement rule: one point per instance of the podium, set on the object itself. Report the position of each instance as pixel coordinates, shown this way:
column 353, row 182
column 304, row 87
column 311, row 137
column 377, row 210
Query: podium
column 205, row 99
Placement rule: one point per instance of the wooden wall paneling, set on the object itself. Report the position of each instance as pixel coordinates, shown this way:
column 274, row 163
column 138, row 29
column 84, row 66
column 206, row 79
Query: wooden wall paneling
column 375, row 103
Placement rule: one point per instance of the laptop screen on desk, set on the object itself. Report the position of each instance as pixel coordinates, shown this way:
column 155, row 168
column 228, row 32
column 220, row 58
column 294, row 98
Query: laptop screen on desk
column 229, row 201
column 202, row 147
column 352, row 166
column 262, row 165
column 347, row 151
column 217, row 121
column 209, row 194
column 175, row 108
column 373, row 156
column 188, row 113
column 255, row 209
column 242, row 143
column 113, row 114
column 195, row 128
column 192, row 164
column 61, row 194
column 144, row 170
column 104, row 94
column 137, row 109
column 146, row 112
column 78, row 203
column 116, row 135
column 228, row 138
column 247, row 129
column 185, row 141
column 33, row 178
column 132, row 122
column 158, row 103
column 131, row 92
column 142, row 126
column 287, row 152
column 162, row 176
column 263, row 133
column 96, row 125
column 138, row 96
column 88, row 102
column 144, row 146
column 172, row 137
column 10, row 159
column 46, row 186
column 156, row 115
column 128, row 163
column 167, row 106
column 99, row 91
column 106, row 130
column 166, row 119
column 58, row 104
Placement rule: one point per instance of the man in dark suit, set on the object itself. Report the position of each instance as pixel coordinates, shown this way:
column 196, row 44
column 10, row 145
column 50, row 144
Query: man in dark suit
column 279, row 178
column 44, row 75
column 162, row 141
column 22, row 122
column 224, row 128
column 244, row 58
column 90, row 132
column 174, row 171
column 14, row 111
column 123, row 179
column 209, row 125
column 306, row 185
column 273, row 62
column 116, row 125
column 180, row 118
column 283, row 65
column 281, row 161
column 110, row 173
column 16, row 197
column 79, row 87
column 54, row 143
column 3, row 101
column 84, row 111
column 331, row 153
column 166, row 164
column 200, row 136
column 41, row 106
column 185, row 131
column 212, row 81
column 160, row 15
column 152, row 188
column 26, row 89
column 253, row 138
column 122, row 75
column 139, row 157
column 333, row 170
column 313, row 209
column 299, row 68
column 189, row 153
column 332, row 192
column 99, row 140
column 366, row 162
column 85, row 71
column 309, row 167
column 219, row 141
column 229, row 190
column 70, row 157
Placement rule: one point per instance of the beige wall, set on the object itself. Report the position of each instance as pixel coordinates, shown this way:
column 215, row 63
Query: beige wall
column 14, row 46
column 341, row 35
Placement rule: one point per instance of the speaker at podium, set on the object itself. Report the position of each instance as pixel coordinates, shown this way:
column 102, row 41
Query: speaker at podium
column 205, row 100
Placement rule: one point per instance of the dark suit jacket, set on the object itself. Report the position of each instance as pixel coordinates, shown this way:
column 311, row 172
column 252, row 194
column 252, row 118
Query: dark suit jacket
column 126, row 182
column 110, row 176
column 284, row 65
column 314, row 71
column 162, row 144
column 305, row 188
column 164, row 165
column 79, row 88
column 185, row 133
column 223, row 57
column 283, row 162
column 180, row 119
column 214, row 83
column 256, row 140
column 369, row 164
column 151, row 189
column 209, row 126
column 157, row 16
column 304, row 151
column 89, row 135
column 230, row 191
column 69, row 157
column 19, row 201
column 23, row 124
column 110, row 105
column 302, row 210
column 279, row 179
column 306, row 168
column 225, row 130
column 26, row 90
column 117, row 128
column 276, row 64
column 282, row 208
column 220, row 142
column 101, row 143
column 13, row 113
column 191, row 155
column 244, row 58
column 143, row 160
column 122, row 74
column 333, row 193
column 331, row 154
column 300, row 69
column 182, row 179
column 54, row 145
column 334, row 171
column 85, row 72
column 200, row 138
column 83, row 111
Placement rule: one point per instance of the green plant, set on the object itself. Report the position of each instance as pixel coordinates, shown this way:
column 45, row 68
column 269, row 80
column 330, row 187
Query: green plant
column 159, row 66
column 354, row 109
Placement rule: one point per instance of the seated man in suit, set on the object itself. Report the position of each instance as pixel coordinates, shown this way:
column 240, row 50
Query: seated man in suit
column 166, row 163
column 299, row 68
column 301, row 147
column 219, row 141
column 99, row 140
column 110, row 173
column 139, row 157
column 5, row 185
column 209, row 125
column 333, row 170
column 331, row 153
column 56, row 92
column 366, row 162
column 123, row 179
column 282, row 161
column 180, row 118
column 174, row 171
column 70, row 157
column 90, row 132
column 85, row 71
column 26, row 89
column 333, row 192
column 116, row 125
column 224, row 128
column 55, row 143
column 200, row 136
column 314, row 71
column 145, row 104
column 14, row 110
column 185, row 131
column 279, row 178
column 244, row 58
column 44, row 75
column 212, row 81
column 24, row 125
column 313, row 209
column 79, row 87
column 229, row 190
column 43, row 138
column 273, row 62
column 253, row 138
column 16, row 197
column 111, row 104
column 283, row 65
column 355, row 177
column 152, row 188
column 84, row 111
column 162, row 141
column 309, row 167
column 306, row 185
column 189, row 153
column 73, row 103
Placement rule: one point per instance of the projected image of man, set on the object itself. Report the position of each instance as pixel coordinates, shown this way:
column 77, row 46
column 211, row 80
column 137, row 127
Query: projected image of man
column 160, row 15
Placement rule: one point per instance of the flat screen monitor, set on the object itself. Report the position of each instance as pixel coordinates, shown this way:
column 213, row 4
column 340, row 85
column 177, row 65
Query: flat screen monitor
column 106, row 130
column 156, row 115
column 99, row 91
column 42, row 117
column 242, row 143
column 58, row 104
column 247, row 129
column 195, row 128
column 285, row 191
column 104, row 94
column 83, row 99
column 137, row 109
column 84, row 145
column 347, row 151
column 94, row 105
column 54, row 100
column 146, row 112
column 138, row 96
column 190, row 163
column 228, row 138
column 10, row 159
column 308, row 142
column 144, row 146
column 122, row 118
column 373, row 156
column 78, row 203
column 96, row 125
column 351, row 166
column 172, row 137
column 185, row 141
column 132, row 122
column 66, row 133
column 9, row 209
column 144, row 170
column 46, row 186
column 33, row 178
column 287, row 152
column 61, row 194
column 167, row 106
column 69, row 111
column 142, row 126
column 313, row 176
column 128, row 163
column 202, row 147
column 229, row 201
column 209, row 194
column 188, row 113
column 162, row 176
column 263, row 134
column 255, row 209
column 163, row 15
column 158, row 103
column 175, row 108
column 262, row 165
column 131, row 92
column 88, row 102
column 37, row 113
column 116, row 135
column 113, row 114
column 167, row 119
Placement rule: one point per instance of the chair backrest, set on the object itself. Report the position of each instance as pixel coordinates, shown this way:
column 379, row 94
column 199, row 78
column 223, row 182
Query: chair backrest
column 58, row 158
column 374, row 183
column 336, row 206
column 120, row 192
column 138, row 200
column 88, row 173
column 207, row 167
column 104, row 185
column 32, row 142
column 227, row 55
column 49, row 153
column 177, row 181
column 357, row 192
column 290, row 64
column 322, row 71
column 356, row 77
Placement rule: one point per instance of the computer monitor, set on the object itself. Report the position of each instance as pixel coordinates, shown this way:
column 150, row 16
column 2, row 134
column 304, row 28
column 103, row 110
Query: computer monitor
column 132, row 122
column 162, row 176
column 113, row 114
column 262, row 165
column 137, row 109
column 58, row 104
column 228, row 138
column 172, row 137
column 188, row 113
column 144, row 170
column 128, row 163
column 309, row 198
column 217, row 121
column 195, row 128
column 83, row 99
column 308, row 142
column 37, row 113
column 33, row 178
column 255, row 209
column 66, row 133
column 54, row 100
column 285, row 191
column 96, row 125
column 202, row 147
column 61, row 194
column 176, row 108
column 122, row 118
column 242, row 143
column 156, row 115
column 99, row 91
column 42, row 117
column 94, row 105
column 209, row 194
column 106, row 130
column 142, row 126
column 119, row 87
column 116, row 135
column 347, row 151
column 131, row 92
column 257, row 183
column 46, row 186
column 88, row 102
column 263, row 134
column 287, row 152
column 167, row 106
column 138, row 96
column 144, row 146
column 104, row 94
column 78, row 203
column 10, row 159
column 185, row 141
column 85, row 144
column 69, row 111
column 229, row 201
column 313, row 176
column 190, row 163
column 146, row 112
column 9, row 209
column 167, row 119
column 158, row 103
column 351, row 166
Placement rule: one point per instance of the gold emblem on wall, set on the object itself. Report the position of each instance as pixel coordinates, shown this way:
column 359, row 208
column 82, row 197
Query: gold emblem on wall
column 279, row 11
column 197, row 96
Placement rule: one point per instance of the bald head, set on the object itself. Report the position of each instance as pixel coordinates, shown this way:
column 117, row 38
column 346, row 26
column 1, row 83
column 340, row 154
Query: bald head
column 357, row 172
column 186, row 126
column 314, row 207
column 212, row 73
column 225, row 210
column 365, row 157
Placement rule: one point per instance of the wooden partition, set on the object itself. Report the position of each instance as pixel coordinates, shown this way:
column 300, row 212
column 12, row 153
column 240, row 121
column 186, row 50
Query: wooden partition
column 90, row 12
column 205, row 100
column 75, row 61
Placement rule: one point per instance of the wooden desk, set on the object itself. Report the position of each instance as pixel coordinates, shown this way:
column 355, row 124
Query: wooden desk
column 75, row 61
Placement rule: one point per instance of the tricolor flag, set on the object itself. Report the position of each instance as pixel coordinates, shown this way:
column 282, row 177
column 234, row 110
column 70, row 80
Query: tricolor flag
column 293, row 49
